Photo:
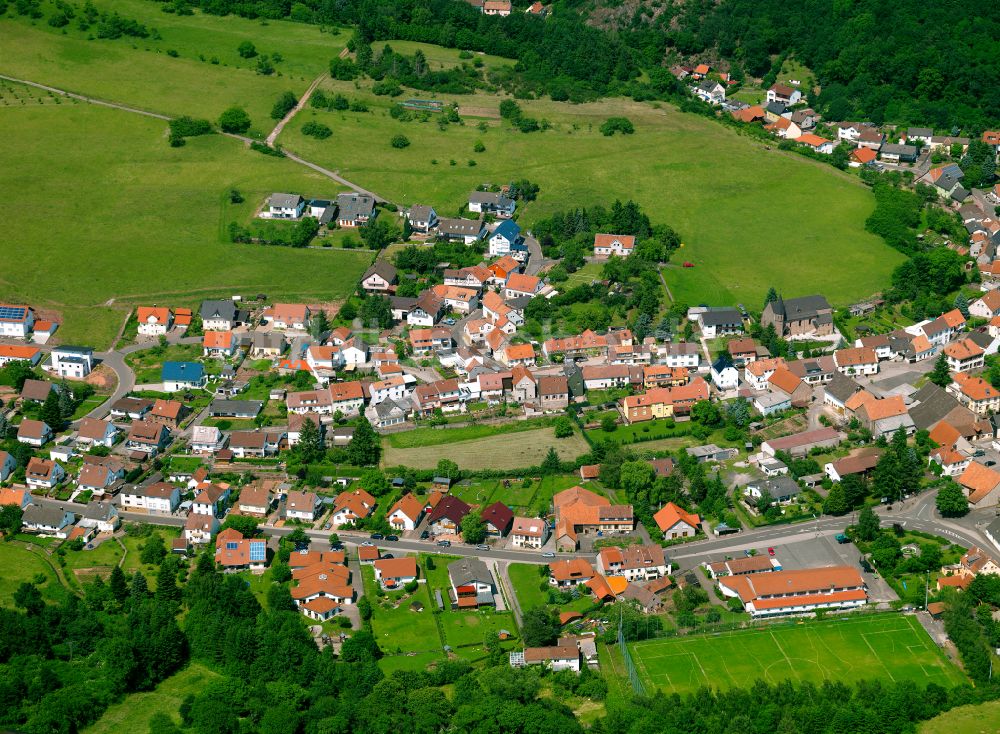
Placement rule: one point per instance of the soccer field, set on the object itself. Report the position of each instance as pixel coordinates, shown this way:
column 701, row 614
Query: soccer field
column 847, row 649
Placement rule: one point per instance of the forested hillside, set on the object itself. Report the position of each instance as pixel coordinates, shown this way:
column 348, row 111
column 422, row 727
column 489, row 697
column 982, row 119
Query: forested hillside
column 933, row 64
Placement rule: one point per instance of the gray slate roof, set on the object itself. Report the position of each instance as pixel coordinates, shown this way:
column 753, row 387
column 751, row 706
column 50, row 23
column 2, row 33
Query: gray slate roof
column 353, row 206
column 721, row 317
column 44, row 515
column 469, row 570
column 930, row 404
column 218, row 310
column 284, row 201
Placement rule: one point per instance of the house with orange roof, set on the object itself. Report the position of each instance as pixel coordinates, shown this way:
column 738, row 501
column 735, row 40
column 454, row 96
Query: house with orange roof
column 856, row 361
column 579, row 511
column 154, row 320
column 700, row 71
column 885, row 416
column 219, row 344
column 589, row 343
column 633, row 562
column 663, row 402
column 18, row 353
column 786, row 382
column 502, row 269
column 757, row 372
column 406, row 513
column 816, row 143
column 674, row 522
column 322, row 590
column 975, row 393
column 567, row 573
column 661, row 375
column 233, row 552
column 17, row 497
column 987, row 306
column 980, row 484
column 953, row 453
column 862, row 157
column 519, row 284
column 954, row 319
column 797, row 592
column 754, row 113
column 964, row 355
column 606, row 245
column 513, row 355
column 782, row 127
column 349, row 507
column 167, row 412
column 394, row 573
column 43, row 473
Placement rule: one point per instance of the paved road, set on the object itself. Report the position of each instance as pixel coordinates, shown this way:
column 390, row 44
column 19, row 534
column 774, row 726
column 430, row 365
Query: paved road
column 135, row 110
column 536, row 261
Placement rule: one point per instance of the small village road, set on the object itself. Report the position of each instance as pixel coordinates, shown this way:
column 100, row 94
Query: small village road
column 303, row 101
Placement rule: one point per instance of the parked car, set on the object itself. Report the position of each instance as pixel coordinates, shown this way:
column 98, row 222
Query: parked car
column 367, row 543
column 548, row 554
column 444, row 543
column 770, row 551
column 376, row 536
column 425, row 535
column 392, row 538
column 483, row 547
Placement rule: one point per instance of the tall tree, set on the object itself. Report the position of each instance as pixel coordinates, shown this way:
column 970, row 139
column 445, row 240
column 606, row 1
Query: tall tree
column 51, row 413
column 310, row 448
column 319, row 324
column 473, row 528
column 868, row 524
column 772, row 296
column 365, row 446
column 940, row 375
column 951, row 501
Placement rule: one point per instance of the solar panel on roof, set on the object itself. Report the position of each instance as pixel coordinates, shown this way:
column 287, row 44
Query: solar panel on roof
column 232, row 545
column 258, row 552
column 13, row 312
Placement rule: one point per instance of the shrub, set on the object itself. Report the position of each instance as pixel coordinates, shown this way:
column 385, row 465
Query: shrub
column 479, row 147
column 283, row 105
column 189, row 127
column 411, row 587
column 400, row 141
column 317, row 130
column 617, row 125
column 246, row 50
column 387, row 88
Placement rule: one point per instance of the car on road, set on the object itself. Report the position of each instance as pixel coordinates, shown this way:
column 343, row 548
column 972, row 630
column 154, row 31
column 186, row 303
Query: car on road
column 444, row 543
column 392, row 538
column 449, row 321
column 482, row 547
column 548, row 554
column 770, row 551
column 336, row 546
column 376, row 536
column 425, row 535
column 841, row 538
column 747, row 553
column 327, row 526
column 367, row 543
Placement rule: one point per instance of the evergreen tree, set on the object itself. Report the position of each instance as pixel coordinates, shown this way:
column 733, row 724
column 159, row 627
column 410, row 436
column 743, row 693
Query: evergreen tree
column 66, row 405
column 836, row 501
column 4, row 425
column 51, row 413
column 319, row 324
column 365, row 446
column 167, row 589
column 641, row 327
column 551, row 464
column 310, row 447
column 940, row 375
column 118, row 585
column 139, row 589
column 772, row 296
column 962, row 304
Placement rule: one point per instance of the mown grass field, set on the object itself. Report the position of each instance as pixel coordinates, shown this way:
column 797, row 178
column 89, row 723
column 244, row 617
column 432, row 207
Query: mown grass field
column 21, row 565
column 750, row 218
column 109, row 216
column 133, row 713
column 516, row 450
column 432, row 436
column 845, row 649
column 139, row 72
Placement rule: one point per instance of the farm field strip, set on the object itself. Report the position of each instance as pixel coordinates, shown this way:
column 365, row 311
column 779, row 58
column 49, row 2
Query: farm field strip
column 521, row 449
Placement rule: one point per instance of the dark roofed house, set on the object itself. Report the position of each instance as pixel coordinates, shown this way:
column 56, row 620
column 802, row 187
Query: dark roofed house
column 219, row 315
column 447, row 516
column 498, row 518
column 898, row 153
column 36, row 390
column 719, row 321
column 381, row 277
column 235, row 408
column 354, row 209
column 931, row 403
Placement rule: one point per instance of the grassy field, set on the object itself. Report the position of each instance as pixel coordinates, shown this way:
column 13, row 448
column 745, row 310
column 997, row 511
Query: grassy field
column 981, row 719
column 150, row 227
column 846, row 649
column 750, row 218
column 399, row 629
column 523, row 449
column 525, row 494
column 20, row 565
column 143, row 75
column 431, row 436
column 135, row 710
column 148, row 363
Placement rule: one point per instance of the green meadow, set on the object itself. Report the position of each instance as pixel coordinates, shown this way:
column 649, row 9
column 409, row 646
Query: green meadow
column 750, row 217
column 102, row 214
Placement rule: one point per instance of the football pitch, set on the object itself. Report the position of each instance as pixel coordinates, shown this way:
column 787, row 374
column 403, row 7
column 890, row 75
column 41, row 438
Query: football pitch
column 848, row 649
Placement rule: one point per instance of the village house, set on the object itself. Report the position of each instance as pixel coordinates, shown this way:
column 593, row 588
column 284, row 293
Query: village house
column 131, row 408
column 964, row 355
column 675, row 522
column 987, row 306
column 468, row 231
column 220, row 315
column 710, row 91
column 862, row 462
column 72, row 362
column 606, row 245
column 154, row 321
column 285, row 206
column 980, row 484
column 7, row 466
column 504, row 238
column 422, row 219
column 101, row 516
column 553, row 392
column 18, row 353
column 472, row 584
column 47, row 519
column 302, row 506
column 233, row 552
column 16, row 321
column 446, row 516
column 491, row 202
column 178, row 376
column 581, row 512
column 715, row 322
column 147, row 437
column 975, row 393
column 381, row 277
column 287, row 316
column 199, row 529
column 159, row 498
column 406, row 514
column 856, row 361
column 394, row 573
column 34, row 433
column 662, row 402
column 43, row 473
column 498, row 519
column 210, row 499
column 349, row 507
column 564, row 574
column 529, row 532
column 633, row 562
column 100, row 477
column 354, row 209
column 784, row 94
column 95, row 432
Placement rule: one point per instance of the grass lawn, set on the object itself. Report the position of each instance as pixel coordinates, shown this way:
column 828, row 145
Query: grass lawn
column 439, row 57
column 728, row 196
column 157, row 234
column 433, row 436
column 584, row 276
column 84, row 565
column 20, row 565
column 136, row 709
column 845, row 649
column 522, row 449
column 148, row 363
column 398, row 629
column 981, row 719
column 638, row 431
column 528, row 587
column 147, row 78
column 133, row 544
